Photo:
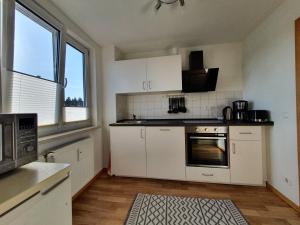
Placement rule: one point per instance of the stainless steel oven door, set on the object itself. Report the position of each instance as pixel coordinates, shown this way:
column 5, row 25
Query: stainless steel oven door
column 207, row 151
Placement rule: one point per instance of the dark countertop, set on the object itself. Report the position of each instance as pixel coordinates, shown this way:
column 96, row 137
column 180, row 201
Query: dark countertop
column 188, row 122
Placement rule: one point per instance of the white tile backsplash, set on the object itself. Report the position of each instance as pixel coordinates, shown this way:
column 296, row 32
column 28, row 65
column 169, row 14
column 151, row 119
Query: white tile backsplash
column 156, row 105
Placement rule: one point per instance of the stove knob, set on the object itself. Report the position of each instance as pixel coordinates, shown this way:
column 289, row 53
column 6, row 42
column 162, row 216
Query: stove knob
column 205, row 129
column 216, row 129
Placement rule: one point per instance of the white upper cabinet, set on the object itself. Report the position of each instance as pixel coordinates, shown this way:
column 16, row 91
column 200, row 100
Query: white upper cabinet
column 130, row 76
column 164, row 73
column 152, row 74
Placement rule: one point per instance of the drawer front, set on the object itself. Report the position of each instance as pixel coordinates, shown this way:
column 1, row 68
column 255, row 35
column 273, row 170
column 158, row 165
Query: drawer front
column 245, row 133
column 212, row 175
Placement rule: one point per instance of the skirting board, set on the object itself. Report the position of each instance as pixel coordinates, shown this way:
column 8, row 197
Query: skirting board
column 283, row 197
column 101, row 172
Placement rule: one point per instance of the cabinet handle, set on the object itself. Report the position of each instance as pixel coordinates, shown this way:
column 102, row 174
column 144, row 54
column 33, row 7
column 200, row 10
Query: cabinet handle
column 233, row 148
column 142, row 133
column 245, row 132
column 78, row 155
column 144, row 85
column 207, row 174
column 149, row 85
column 164, row 129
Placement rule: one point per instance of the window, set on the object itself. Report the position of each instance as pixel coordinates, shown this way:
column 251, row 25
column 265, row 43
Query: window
column 35, row 45
column 48, row 71
column 75, row 101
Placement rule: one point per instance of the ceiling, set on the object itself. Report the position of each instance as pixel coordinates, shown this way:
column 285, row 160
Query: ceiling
column 134, row 25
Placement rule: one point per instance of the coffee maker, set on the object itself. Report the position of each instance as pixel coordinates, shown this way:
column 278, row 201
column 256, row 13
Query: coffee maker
column 240, row 110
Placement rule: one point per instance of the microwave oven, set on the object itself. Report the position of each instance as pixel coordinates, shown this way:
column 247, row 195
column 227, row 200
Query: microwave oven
column 18, row 140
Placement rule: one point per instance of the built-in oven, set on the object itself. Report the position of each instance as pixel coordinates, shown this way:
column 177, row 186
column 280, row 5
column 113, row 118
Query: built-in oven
column 207, row 146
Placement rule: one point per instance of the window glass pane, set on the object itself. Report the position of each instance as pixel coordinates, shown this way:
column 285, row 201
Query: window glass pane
column 74, row 73
column 35, row 45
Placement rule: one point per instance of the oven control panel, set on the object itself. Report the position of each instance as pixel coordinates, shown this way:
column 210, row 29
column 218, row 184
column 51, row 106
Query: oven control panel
column 207, row 130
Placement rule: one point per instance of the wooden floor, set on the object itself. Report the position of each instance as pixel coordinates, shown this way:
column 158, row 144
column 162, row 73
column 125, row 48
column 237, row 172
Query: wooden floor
column 108, row 200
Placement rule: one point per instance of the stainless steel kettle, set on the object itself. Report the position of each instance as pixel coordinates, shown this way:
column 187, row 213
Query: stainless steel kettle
column 227, row 113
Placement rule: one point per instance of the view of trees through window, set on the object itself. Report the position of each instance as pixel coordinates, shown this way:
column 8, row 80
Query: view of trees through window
column 74, row 102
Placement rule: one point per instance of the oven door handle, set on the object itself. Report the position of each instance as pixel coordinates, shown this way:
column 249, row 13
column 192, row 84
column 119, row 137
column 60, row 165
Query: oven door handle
column 208, row 138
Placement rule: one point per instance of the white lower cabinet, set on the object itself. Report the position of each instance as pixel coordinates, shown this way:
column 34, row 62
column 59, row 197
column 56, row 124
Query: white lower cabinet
column 128, row 153
column 51, row 207
column 159, row 152
column 246, row 162
column 211, row 175
column 156, row 152
column 165, row 147
column 80, row 155
column 247, row 155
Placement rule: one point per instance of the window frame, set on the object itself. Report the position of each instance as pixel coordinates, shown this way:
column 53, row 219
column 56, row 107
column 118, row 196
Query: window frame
column 52, row 27
column 68, row 39
column 8, row 55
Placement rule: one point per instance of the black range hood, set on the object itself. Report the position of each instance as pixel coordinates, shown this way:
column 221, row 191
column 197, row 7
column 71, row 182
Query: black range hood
column 199, row 79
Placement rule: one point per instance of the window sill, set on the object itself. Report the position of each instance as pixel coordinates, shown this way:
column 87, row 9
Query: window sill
column 50, row 138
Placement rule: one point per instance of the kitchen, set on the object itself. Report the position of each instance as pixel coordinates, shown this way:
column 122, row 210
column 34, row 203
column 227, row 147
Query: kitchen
column 164, row 114
column 214, row 148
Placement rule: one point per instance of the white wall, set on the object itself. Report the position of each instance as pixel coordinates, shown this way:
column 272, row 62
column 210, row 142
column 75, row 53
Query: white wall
column 269, row 70
column 227, row 57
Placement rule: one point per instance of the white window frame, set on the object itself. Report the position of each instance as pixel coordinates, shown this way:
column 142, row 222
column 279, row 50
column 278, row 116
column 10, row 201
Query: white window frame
column 52, row 27
column 64, row 38
column 68, row 39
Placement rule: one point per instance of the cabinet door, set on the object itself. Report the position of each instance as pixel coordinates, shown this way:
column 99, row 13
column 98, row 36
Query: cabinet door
column 128, row 155
column 164, row 73
column 70, row 155
column 59, row 199
column 165, row 147
column 86, row 160
column 53, row 207
column 246, row 163
column 130, row 76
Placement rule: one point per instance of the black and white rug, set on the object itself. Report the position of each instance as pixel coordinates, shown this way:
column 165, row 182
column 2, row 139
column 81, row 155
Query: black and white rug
column 171, row 210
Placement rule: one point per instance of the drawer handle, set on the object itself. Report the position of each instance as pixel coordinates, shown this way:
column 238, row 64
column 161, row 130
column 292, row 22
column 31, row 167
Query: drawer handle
column 245, row 132
column 207, row 174
column 164, row 129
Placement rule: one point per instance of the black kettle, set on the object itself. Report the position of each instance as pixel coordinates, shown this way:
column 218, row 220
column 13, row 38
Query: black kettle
column 227, row 113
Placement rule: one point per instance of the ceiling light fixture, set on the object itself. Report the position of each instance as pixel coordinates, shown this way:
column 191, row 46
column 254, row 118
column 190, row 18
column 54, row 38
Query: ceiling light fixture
column 167, row 2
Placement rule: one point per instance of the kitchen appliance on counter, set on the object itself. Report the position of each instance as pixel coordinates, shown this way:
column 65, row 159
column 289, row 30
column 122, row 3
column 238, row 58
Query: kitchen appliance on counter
column 207, row 146
column 18, row 140
column 240, row 110
column 227, row 113
column 198, row 78
column 258, row 116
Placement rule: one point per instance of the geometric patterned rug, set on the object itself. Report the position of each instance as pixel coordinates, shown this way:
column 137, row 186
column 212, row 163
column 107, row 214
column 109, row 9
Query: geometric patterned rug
column 170, row 210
